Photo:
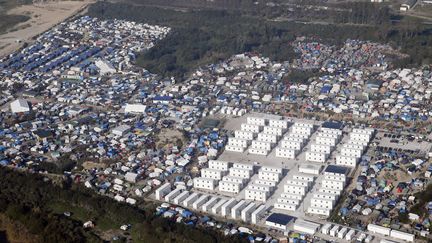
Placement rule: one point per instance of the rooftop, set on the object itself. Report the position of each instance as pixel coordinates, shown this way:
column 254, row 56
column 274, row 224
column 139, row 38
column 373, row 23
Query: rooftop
column 280, row 218
column 337, row 169
column 332, row 125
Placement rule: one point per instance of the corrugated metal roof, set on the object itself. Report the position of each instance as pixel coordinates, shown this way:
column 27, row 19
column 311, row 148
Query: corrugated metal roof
column 337, row 169
column 280, row 218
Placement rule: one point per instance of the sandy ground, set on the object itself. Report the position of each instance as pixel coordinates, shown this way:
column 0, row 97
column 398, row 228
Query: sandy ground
column 43, row 16
column 167, row 136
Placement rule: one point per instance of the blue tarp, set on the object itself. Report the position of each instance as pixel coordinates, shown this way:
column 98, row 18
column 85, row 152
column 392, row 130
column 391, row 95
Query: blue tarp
column 186, row 214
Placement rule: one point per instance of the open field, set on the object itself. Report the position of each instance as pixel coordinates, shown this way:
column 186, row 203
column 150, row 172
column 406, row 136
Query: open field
column 42, row 17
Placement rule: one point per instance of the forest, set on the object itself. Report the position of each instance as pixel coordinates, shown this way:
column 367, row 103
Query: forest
column 38, row 202
column 201, row 37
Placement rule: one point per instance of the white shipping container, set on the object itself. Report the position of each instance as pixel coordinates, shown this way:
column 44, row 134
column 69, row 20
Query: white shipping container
column 350, row 235
column 326, row 229
column 342, row 232
column 334, row 230
column 378, row 229
column 402, row 235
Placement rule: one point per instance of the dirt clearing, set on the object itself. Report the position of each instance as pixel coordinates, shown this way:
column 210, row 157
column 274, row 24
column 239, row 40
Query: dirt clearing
column 43, row 16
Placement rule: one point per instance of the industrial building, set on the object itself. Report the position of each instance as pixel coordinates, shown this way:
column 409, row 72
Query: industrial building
column 316, row 157
column 238, row 142
column 266, row 182
column 250, row 128
column 218, row 165
column 278, row 123
column 121, row 130
column 322, row 203
column 256, row 121
column 402, row 235
column 212, row 173
column 271, row 169
column 243, row 166
column 258, row 151
column 291, row 144
column 240, row 180
column 190, row 199
column 351, row 152
column 303, row 177
column 135, row 108
column 182, row 196
column 204, row 183
column 285, row 153
column 285, row 206
column 333, row 184
column 256, row 194
column 236, row 209
column 299, row 182
column 234, row 149
column 319, row 211
column 261, row 145
column 247, row 211
column 216, row 209
column 209, row 204
column 324, row 195
column 200, row 201
column 288, row 200
column 273, row 130
column 321, row 148
column 302, row 128
column 295, row 189
column 331, row 141
column 269, row 176
column 171, row 195
column 310, row 169
column 346, row 160
column 279, row 221
column 162, row 191
column 260, row 187
column 306, row 227
column 258, row 213
column 19, row 106
column 328, row 193
column 240, row 172
column 336, row 170
column 378, row 229
column 267, row 137
column 353, row 149
column 226, row 207
column 240, row 134
column 291, row 196
column 230, row 187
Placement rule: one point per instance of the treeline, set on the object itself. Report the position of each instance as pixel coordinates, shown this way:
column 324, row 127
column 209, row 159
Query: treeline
column 353, row 12
column 204, row 37
column 200, row 4
column 29, row 199
column 363, row 13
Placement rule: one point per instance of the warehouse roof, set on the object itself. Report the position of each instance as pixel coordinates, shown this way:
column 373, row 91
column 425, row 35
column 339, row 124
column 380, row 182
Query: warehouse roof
column 332, row 125
column 336, row 169
column 280, row 218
